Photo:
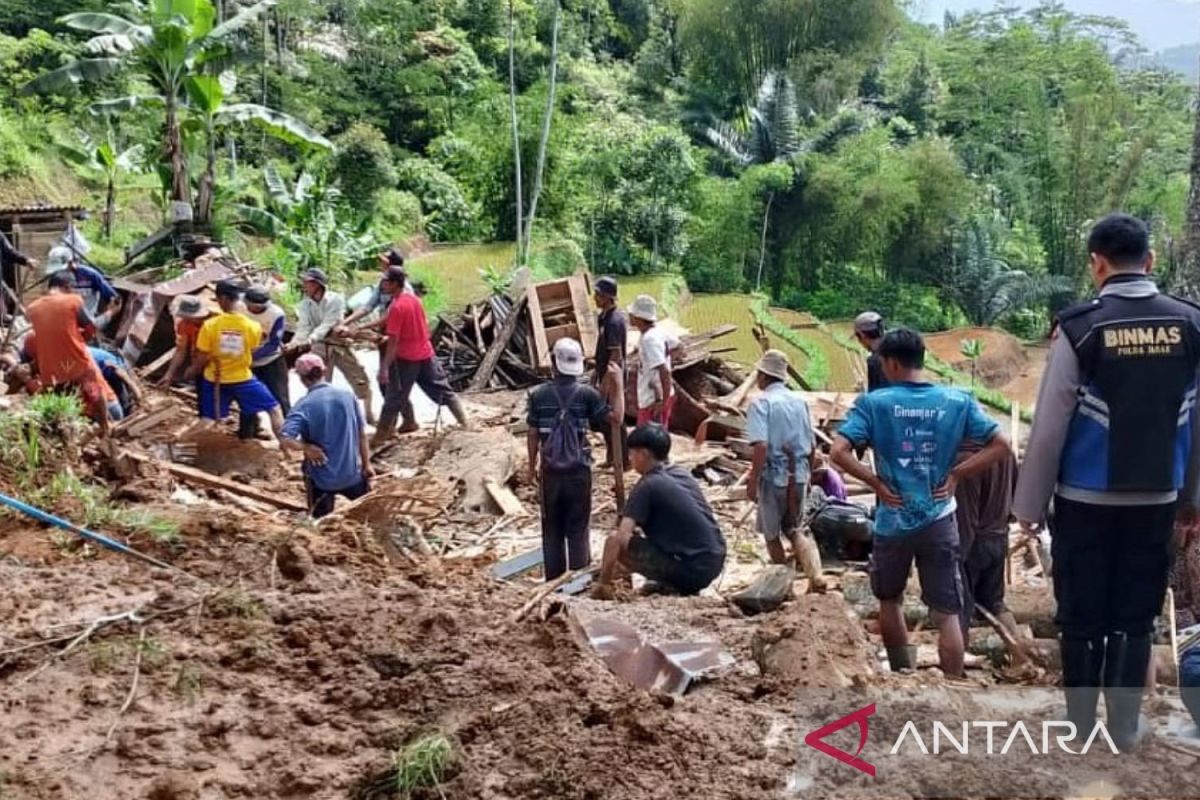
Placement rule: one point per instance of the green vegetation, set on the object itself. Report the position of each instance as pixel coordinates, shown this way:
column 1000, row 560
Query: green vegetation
column 832, row 156
column 423, row 763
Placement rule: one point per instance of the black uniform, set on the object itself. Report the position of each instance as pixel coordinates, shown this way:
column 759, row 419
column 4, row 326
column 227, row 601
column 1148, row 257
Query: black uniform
column 1119, row 396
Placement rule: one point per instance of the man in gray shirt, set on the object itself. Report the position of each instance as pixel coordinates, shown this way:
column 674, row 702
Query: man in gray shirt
column 320, row 312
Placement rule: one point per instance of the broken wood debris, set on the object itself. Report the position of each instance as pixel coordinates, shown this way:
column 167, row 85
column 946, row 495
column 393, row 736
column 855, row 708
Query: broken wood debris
column 210, row 481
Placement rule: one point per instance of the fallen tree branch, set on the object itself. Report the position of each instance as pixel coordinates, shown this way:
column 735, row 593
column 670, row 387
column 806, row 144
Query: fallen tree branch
column 1015, row 648
column 546, row 590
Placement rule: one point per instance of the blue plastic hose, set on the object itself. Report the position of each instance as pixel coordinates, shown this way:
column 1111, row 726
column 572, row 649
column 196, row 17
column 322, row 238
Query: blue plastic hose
column 58, row 522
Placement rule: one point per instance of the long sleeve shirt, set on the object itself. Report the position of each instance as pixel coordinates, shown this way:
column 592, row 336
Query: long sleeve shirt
column 10, row 254
column 318, row 318
column 1057, row 400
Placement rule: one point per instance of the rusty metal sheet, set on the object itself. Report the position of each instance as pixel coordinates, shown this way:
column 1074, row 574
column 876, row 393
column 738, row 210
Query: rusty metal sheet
column 665, row 667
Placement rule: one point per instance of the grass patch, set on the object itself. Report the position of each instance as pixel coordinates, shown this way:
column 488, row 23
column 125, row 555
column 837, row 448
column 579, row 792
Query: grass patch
column 423, row 763
column 234, row 603
column 816, row 371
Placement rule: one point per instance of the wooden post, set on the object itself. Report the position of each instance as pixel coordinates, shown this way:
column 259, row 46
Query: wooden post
column 1016, row 430
column 503, row 335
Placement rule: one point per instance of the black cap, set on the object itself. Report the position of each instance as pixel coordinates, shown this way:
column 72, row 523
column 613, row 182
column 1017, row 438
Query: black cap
column 394, row 257
column 229, row 290
column 396, row 275
column 316, row 276
column 607, row 286
column 257, row 295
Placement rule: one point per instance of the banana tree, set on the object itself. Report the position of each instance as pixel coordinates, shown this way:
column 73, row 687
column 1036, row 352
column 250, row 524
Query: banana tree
column 207, row 95
column 110, row 161
column 165, row 42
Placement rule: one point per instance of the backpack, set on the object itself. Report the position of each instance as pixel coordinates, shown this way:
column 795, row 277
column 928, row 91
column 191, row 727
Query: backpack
column 562, row 449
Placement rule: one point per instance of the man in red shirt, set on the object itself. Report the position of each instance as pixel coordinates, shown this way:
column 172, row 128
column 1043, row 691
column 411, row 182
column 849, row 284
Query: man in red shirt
column 409, row 359
column 62, row 327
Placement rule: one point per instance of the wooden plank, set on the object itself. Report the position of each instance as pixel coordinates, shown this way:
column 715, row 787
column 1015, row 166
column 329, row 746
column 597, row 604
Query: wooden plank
column 589, row 332
column 157, row 364
column 518, row 565
column 210, row 481
column 508, row 503
column 492, row 358
column 541, row 349
column 144, row 420
column 478, row 328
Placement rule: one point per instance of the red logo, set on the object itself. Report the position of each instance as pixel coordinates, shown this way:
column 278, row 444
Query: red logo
column 816, row 739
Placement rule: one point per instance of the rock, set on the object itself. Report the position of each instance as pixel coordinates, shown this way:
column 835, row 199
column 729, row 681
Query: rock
column 294, row 562
column 768, row 591
column 174, row 786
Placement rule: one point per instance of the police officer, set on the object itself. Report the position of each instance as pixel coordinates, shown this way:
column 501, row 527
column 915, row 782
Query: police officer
column 1115, row 442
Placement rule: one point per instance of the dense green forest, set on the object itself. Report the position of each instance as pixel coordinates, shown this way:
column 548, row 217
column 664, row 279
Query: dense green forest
column 834, row 155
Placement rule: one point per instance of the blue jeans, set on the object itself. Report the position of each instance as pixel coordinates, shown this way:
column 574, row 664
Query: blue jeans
column 1189, row 682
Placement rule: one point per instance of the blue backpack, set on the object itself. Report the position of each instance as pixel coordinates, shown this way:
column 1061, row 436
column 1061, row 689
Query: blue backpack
column 562, row 449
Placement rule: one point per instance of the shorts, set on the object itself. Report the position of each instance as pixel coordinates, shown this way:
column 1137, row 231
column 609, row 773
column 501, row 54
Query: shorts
column 984, row 570
column 252, row 396
column 646, row 415
column 685, row 575
column 773, row 517
column 935, row 549
column 1189, row 682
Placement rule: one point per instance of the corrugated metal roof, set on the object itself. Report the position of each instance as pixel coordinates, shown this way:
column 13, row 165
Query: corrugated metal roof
column 8, row 211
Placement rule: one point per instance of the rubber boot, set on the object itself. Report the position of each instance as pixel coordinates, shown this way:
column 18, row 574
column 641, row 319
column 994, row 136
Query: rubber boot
column 902, row 658
column 1124, row 683
column 808, row 562
column 408, row 416
column 1083, row 662
column 460, row 415
column 385, row 430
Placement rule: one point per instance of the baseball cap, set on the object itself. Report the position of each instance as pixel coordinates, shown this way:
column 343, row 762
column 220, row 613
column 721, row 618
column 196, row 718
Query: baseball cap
column 227, row 289
column 774, row 363
column 309, row 364
column 257, row 295
column 645, row 307
column 568, row 357
column 316, row 276
column 868, row 322
column 59, row 259
column 607, row 286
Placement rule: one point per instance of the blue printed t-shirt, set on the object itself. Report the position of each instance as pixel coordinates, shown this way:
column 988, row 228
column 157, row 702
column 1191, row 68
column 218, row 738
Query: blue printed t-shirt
column 915, row 430
column 330, row 418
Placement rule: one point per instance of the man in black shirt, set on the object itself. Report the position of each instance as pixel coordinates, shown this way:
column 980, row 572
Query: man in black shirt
column 559, row 415
column 610, row 360
column 10, row 257
column 681, row 545
column 869, row 330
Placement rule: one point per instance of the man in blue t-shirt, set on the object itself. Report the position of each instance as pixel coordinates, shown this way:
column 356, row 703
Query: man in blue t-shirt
column 916, row 430
column 116, row 374
column 327, row 426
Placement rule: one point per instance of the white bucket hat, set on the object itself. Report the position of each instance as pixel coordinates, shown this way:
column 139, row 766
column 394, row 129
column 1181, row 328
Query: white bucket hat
column 568, row 357
column 774, row 363
column 645, row 307
column 59, row 259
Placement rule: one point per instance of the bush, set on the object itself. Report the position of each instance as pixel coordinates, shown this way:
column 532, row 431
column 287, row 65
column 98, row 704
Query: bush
column 363, row 165
column 15, row 157
column 557, row 259
column 397, row 215
column 847, row 293
column 1029, row 324
column 449, row 216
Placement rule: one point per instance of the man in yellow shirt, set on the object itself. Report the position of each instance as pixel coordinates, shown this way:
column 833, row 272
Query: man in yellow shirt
column 224, row 352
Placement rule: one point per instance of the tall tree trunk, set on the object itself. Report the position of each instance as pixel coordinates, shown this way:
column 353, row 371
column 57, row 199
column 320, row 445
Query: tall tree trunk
column 110, row 207
column 180, row 189
column 208, row 181
column 1187, row 282
column 762, row 246
column 546, row 120
column 516, row 133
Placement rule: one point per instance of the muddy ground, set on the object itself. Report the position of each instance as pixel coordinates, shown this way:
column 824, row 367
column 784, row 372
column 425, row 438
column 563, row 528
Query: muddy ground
column 278, row 660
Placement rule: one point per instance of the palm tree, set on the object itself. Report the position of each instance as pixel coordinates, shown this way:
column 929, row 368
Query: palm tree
column 986, row 286
column 169, row 43
column 772, row 132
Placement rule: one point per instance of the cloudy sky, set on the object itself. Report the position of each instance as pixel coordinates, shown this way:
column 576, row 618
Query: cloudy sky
column 1160, row 23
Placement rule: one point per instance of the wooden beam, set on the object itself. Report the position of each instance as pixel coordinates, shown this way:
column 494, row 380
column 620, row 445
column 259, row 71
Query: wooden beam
column 210, row 481
column 157, row 364
column 492, row 358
